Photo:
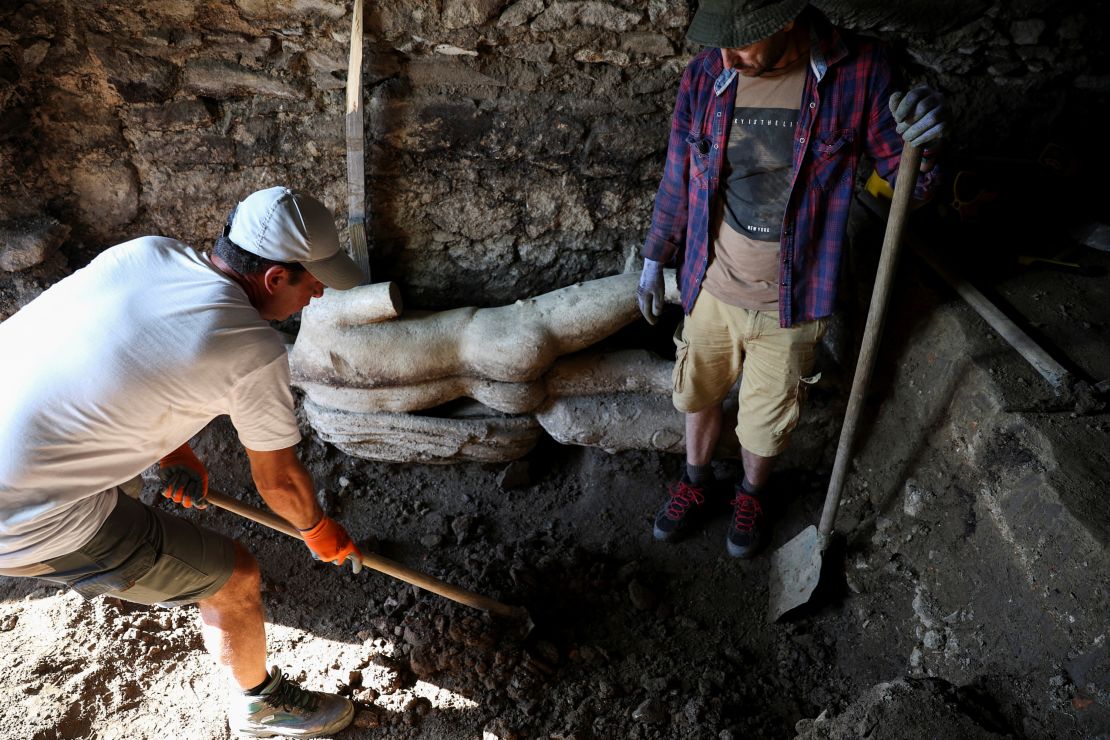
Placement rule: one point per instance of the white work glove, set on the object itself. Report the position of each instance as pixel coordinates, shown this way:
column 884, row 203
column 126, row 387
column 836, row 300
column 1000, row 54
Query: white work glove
column 649, row 295
column 920, row 116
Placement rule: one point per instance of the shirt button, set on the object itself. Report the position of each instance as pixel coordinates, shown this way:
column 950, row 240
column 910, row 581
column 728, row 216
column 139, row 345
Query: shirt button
column 718, row 114
column 811, row 106
column 801, row 139
column 716, row 146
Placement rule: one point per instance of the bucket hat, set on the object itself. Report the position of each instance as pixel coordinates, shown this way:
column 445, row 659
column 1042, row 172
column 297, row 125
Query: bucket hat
column 287, row 225
column 730, row 24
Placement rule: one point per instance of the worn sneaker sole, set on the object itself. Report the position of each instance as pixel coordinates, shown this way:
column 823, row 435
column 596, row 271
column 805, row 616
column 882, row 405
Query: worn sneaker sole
column 664, row 536
column 340, row 723
column 744, row 553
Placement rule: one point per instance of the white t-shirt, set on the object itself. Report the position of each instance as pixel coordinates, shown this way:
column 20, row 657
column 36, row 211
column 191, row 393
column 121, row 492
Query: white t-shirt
column 114, row 367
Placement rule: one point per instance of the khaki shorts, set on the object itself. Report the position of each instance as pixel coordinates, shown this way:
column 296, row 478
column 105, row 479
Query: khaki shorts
column 717, row 342
column 147, row 556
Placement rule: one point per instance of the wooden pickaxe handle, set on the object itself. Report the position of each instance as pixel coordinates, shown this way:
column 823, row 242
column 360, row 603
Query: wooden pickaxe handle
column 376, row 562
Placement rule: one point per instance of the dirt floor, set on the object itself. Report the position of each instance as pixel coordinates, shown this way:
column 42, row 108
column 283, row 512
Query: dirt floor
column 967, row 598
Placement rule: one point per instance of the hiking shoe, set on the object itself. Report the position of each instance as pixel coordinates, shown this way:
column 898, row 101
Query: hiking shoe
column 286, row 710
column 746, row 530
column 684, row 502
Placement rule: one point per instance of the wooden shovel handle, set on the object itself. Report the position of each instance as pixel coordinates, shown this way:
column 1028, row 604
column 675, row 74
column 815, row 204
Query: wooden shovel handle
column 876, row 316
column 375, row 562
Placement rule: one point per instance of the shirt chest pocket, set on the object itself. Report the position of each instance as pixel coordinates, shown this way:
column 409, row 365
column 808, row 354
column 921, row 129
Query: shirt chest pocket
column 832, row 157
column 699, row 160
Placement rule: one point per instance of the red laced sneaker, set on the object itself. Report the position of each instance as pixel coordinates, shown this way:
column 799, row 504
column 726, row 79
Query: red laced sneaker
column 684, row 503
column 746, row 532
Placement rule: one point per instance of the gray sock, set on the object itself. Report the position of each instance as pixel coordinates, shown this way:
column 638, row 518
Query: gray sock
column 699, row 475
column 749, row 488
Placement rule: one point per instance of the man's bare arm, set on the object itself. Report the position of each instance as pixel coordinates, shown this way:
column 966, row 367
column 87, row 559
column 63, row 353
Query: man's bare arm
column 286, row 486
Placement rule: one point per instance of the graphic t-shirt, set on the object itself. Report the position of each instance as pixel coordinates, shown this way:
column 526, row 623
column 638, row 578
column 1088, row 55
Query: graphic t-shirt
column 755, row 183
column 112, row 368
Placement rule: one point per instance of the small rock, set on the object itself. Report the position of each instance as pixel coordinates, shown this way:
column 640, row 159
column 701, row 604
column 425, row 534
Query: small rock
column 26, row 244
column 412, row 637
column 520, row 13
column 354, row 679
column 367, row 719
column 604, row 56
column 933, row 640
column 9, row 623
column 694, row 710
column 1027, row 32
column 917, row 499
column 606, row 690
column 422, row 662
column 650, row 712
column 225, row 79
column 463, row 527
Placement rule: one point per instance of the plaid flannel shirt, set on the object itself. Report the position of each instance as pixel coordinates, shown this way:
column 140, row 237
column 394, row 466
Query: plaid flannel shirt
column 844, row 113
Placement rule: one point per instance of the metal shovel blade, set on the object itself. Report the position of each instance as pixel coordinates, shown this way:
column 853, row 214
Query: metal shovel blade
column 795, row 572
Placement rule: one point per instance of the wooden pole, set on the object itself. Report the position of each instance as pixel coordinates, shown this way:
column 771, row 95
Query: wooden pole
column 356, row 164
column 876, row 317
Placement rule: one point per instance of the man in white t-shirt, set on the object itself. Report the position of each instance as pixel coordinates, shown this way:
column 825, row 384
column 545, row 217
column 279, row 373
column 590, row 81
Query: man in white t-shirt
column 116, row 367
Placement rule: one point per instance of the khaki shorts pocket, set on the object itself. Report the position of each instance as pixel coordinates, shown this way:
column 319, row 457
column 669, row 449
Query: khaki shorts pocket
column 118, row 579
column 682, row 350
column 793, row 405
column 173, row 581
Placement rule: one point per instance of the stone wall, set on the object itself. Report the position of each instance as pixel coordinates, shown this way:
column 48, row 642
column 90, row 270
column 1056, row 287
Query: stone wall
column 512, row 147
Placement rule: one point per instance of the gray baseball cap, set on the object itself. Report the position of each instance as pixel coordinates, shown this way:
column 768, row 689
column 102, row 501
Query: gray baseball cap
column 730, row 24
column 289, row 226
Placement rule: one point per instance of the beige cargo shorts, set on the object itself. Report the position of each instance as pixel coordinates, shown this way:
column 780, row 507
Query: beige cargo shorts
column 719, row 343
column 147, row 556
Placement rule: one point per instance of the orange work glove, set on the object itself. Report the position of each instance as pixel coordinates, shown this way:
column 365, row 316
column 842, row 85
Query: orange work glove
column 185, row 478
column 329, row 541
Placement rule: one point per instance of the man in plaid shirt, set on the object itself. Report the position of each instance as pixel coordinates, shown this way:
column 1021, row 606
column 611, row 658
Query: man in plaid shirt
column 768, row 129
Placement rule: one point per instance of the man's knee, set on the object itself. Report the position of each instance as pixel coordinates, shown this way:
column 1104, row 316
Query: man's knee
column 245, row 579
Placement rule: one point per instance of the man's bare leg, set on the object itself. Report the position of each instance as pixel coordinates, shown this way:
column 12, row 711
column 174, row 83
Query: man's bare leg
column 757, row 469
column 703, row 429
column 234, row 630
column 233, row 625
